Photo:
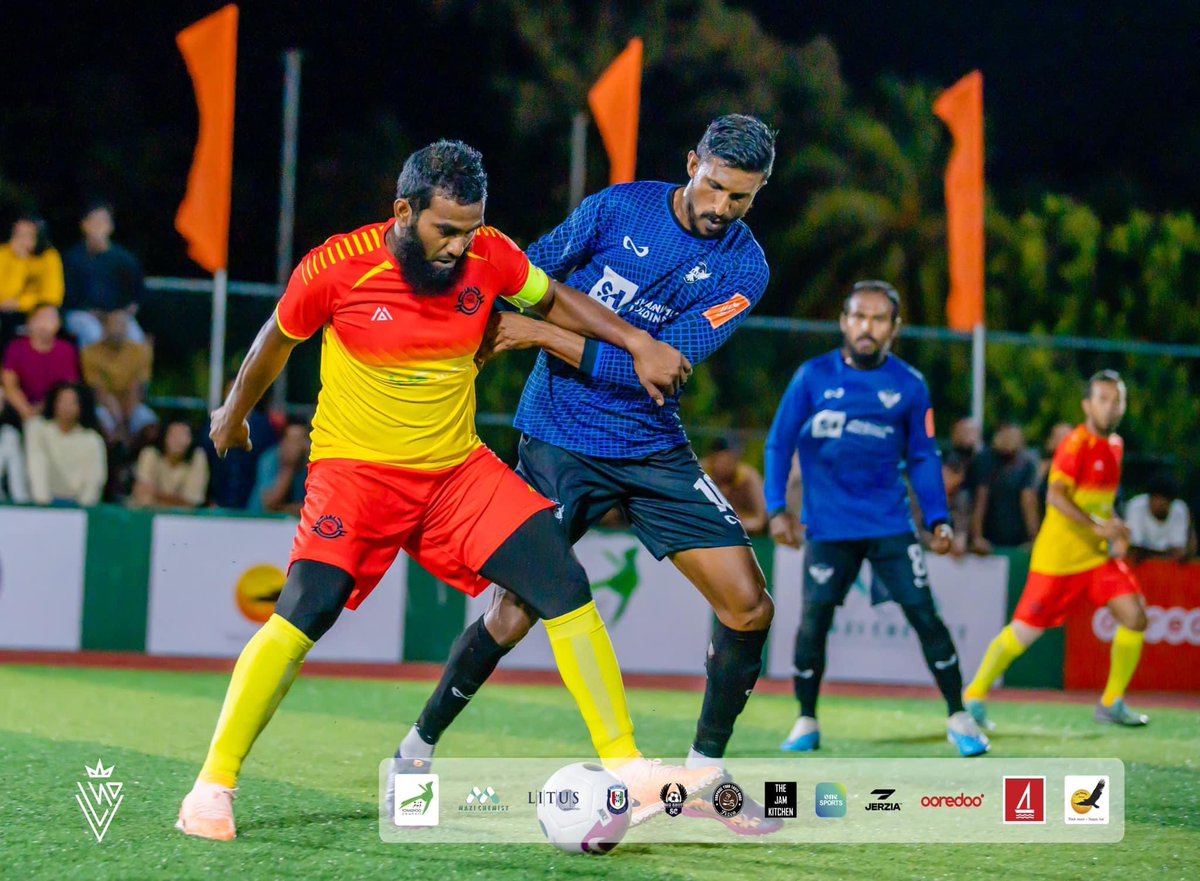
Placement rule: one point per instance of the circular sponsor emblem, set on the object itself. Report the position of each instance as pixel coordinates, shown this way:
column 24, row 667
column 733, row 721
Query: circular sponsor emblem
column 728, row 799
column 469, row 301
column 257, row 590
column 328, row 526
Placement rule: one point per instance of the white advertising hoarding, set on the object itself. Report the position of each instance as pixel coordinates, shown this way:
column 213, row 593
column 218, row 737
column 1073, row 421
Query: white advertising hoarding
column 213, row 580
column 874, row 643
column 659, row 623
column 41, row 578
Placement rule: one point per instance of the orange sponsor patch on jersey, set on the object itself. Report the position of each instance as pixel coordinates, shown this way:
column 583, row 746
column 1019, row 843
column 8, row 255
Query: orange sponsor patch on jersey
column 727, row 311
column 929, row 431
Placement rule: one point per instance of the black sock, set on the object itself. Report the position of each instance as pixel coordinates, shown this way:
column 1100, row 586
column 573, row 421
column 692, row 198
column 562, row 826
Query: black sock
column 809, row 656
column 940, row 654
column 733, row 667
column 472, row 659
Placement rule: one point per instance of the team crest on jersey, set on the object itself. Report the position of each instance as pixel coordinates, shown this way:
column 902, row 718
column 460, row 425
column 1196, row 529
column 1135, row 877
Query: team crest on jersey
column 469, row 301
column 821, row 572
column 328, row 526
column 699, row 272
column 889, row 398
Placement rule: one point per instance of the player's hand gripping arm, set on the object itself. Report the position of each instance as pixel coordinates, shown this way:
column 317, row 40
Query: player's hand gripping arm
column 661, row 369
column 264, row 362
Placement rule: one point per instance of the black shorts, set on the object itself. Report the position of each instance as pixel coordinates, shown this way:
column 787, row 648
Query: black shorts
column 898, row 570
column 670, row 503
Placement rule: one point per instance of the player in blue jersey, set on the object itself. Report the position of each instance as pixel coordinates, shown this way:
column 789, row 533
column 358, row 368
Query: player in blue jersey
column 861, row 421
column 680, row 263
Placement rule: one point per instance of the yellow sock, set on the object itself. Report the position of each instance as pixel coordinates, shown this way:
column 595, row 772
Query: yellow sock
column 264, row 672
column 1126, row 651
column 588, row 666
column 1004, row 649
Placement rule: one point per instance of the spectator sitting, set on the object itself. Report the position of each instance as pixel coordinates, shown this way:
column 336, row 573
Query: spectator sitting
column 1057, row 435
column 1160, row 524
column 233, row 477
column 739, row 483
column 35, row 364
column 117, row 369
column 174, row 473
column 12, row 462
column 1005, row 510
column 282, row 469
column 101, row 277
column 64, row 453
column 31, row 273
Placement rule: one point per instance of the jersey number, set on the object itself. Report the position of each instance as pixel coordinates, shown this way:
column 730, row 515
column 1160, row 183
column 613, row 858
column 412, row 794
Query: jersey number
column 920, row 571
column 714, row 495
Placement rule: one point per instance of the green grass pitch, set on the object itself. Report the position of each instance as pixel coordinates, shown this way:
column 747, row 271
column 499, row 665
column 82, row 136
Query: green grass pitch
column 306, row 809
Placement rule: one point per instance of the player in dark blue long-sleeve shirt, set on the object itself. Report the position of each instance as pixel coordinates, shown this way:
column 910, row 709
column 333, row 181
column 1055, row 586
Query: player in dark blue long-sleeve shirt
column 679, row 263
column 861, row 421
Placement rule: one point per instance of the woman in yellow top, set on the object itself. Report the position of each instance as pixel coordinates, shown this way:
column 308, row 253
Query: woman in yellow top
column 31, row 270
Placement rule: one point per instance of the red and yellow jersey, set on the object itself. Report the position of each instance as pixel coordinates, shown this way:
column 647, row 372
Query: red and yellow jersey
column 397, row 368
column 1091, row 466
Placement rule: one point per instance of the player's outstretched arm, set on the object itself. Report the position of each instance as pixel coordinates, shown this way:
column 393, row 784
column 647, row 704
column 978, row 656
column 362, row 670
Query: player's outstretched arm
column 264, row 362
column 661, row 368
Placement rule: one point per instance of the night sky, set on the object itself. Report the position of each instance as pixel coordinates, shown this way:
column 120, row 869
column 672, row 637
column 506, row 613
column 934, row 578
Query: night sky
column 1095, row 99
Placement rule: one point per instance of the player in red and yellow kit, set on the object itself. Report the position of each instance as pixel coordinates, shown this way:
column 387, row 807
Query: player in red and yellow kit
column 396, row 463
column 1078, row 557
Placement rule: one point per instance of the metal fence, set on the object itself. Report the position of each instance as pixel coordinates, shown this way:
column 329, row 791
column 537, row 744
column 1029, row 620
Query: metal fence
column 1032, row 379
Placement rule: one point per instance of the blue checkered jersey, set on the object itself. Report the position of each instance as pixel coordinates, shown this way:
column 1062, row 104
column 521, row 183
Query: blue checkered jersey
column 858, row 433
column 625, row 248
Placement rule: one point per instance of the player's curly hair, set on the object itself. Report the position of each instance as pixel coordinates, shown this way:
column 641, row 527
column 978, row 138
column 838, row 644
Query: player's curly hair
column 743, row 142
column 450, row 168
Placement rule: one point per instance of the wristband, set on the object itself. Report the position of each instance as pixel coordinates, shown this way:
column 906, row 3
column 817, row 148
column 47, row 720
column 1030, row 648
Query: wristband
column 775, row 512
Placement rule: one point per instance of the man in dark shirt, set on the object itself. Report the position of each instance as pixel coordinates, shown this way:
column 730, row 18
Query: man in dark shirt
column 100, row 276
column 1005, row 493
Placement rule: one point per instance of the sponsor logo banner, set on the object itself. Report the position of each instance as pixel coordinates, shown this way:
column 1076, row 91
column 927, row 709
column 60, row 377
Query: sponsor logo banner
column 852, row 801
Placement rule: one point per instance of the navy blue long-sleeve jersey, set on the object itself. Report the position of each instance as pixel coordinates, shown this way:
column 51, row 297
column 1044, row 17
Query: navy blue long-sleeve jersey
column 625, row 247
column 858, row 432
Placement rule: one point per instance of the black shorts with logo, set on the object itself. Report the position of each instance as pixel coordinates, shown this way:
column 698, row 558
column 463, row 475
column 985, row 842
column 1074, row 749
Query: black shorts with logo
column 898, row 570
column 670, row 503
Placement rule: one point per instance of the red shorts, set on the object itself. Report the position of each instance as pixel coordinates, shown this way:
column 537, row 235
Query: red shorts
column 1047, row 599
column 359, row 515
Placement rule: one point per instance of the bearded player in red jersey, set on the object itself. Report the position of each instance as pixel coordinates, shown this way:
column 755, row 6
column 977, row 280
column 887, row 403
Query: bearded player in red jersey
column 1077, row 557
column 397, row 465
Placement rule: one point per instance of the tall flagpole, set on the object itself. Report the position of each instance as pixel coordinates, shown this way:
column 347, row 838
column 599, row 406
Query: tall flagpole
column 578, row 159
column 287, row 190
column 978, row 371
column 216, row 351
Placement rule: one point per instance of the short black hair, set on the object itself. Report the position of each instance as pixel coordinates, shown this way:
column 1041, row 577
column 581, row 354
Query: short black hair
column 448, row 168
column 1163, row 484
column 740, row 141
column 96, row 204
column 876, row 286
column 1107, row 376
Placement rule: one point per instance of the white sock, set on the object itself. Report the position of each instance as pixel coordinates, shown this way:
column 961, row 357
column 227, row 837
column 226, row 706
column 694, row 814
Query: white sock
column 699, row 760
column 414, row 746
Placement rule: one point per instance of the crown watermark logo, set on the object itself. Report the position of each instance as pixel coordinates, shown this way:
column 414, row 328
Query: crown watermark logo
column 99, row 801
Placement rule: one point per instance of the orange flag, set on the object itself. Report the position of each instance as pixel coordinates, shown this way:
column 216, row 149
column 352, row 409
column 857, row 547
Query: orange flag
column 615, row 101
column 210, row 49
column 961, row 108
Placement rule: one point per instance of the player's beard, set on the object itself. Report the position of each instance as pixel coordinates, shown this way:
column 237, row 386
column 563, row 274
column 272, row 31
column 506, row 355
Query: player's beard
column 426, row 279
column 693, row 220
column 865, row 360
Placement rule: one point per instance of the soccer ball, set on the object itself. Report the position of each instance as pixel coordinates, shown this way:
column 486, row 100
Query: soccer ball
column 583, row 809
